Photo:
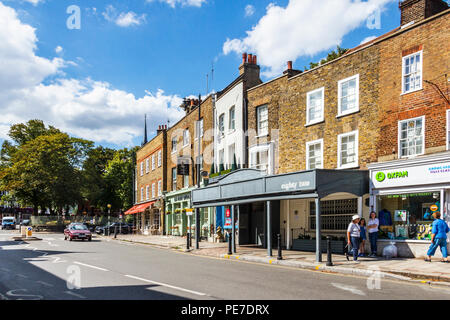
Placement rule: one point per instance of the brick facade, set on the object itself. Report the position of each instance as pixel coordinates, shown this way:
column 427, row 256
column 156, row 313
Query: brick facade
column 191, row 149
column 432, row 38
column 147, row 152
column 416, row 10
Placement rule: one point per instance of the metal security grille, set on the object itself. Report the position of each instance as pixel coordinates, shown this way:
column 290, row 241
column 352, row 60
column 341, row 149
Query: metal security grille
column 335, row 214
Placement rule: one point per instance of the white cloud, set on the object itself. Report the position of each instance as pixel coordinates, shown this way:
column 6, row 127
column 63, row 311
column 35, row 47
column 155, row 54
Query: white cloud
column 123, row 19
column 249, row 10
column 183, row 3
column 58, row 49
column 370, row 38
column 85, row 108
column 34, row 2
column 302, row 28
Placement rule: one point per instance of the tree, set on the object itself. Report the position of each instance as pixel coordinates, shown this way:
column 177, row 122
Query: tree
column 42, row 166
column 118, row 177
column 330, row 57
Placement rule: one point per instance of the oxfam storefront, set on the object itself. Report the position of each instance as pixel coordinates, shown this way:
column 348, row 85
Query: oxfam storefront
column 405, row 194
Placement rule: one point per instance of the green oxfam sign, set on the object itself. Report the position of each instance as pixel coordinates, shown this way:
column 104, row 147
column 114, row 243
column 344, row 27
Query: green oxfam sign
column 381, row 176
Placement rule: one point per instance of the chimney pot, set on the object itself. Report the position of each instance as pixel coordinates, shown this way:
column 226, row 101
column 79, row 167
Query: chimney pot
column 250, row 58
column 244, row 58
column 289, row 65
column 255, row 60
column 192, row 102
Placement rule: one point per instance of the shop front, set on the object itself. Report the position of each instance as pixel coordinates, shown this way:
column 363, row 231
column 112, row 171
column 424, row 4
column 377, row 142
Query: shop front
column 261, row 206
column 180, row 216
column 405, row 194
column 147, row 217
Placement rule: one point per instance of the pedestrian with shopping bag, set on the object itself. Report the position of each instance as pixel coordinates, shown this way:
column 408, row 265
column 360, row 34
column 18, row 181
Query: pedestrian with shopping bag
column 353, row 235
column 439, row 232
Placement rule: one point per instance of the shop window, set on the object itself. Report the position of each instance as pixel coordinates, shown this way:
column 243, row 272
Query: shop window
column 232, row 120
column 348, row 150
column 407, row 216
column 156, row 219
column 315, row 106
column 335, row 214
column 412, row 72
column 411, row 137
column 314, row 154
column 348, row 95
column 262, row 114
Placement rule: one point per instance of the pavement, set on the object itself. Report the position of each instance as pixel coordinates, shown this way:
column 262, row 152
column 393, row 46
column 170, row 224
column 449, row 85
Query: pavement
column 396, row 268
column 54, row 269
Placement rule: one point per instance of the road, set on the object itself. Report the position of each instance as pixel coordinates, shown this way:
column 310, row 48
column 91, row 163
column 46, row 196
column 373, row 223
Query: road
column 54, row 269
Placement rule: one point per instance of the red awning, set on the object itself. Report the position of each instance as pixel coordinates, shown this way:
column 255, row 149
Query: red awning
column 139, row 208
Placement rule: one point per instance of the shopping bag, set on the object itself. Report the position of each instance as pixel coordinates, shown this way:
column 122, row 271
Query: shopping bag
column 348, row 251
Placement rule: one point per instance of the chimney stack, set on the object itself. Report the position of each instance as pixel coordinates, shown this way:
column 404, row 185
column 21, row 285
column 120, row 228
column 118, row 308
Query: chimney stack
column 415, row 10
column 289, row 65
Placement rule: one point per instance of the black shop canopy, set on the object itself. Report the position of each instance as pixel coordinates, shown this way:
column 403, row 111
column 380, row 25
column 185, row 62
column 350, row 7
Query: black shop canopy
column 250, row 185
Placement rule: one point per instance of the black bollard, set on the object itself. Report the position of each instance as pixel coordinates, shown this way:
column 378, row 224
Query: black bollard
column 329, row 260
column 188, row 240
column 229, row 244
column 115, row 232
column 279, row 247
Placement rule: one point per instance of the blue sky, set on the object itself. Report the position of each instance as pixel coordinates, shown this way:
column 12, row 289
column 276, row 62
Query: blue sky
column 132, row 57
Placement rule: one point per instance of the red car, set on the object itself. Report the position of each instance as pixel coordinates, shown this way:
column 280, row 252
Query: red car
column 77, row 231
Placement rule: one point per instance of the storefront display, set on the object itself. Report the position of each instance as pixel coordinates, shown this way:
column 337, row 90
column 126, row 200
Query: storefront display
column 410, row 213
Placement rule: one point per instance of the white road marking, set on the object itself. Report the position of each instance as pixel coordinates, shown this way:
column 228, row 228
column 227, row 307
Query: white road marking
column 90, row 266
column 348, row 288
column 167, row 285
column 58, row 260
column 75, row 294
column 45, row 283
column 14, row 293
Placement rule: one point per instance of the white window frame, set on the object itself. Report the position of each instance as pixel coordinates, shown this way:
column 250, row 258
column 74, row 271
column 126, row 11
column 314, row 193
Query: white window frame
column 147, row 166
column 221, row 133
column 142, row 194
column 351, row 165
column 263, row 148
column 199, row 128
column 356, row 109
column 308, row 144
column 159, row 158
column 186, row 182
column 399, row 134
column 186, row 138
column 421, row 71
column 221, row 158
column 147, row 192
column 159, row 188
column 174, row 143
column 153, row 190
column 153, row 162
column 142, row 168
column 258, row 120
column 232, row 120
column 448, row 129
column 308, row 121
column 230, row 154
column 174, row 179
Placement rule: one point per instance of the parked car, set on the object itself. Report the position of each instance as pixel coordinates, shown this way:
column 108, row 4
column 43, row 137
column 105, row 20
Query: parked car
column 8, row 223
column 125, row 228
column 77, row 231
column 25, row 222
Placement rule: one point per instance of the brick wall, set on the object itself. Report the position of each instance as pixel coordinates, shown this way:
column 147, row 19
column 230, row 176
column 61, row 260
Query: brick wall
column 191, row 150
column 158, row 143
column 293, row 133
column 433, row 38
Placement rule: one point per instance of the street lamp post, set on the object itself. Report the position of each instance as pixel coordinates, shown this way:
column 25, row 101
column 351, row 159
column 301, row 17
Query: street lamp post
column 109, row 216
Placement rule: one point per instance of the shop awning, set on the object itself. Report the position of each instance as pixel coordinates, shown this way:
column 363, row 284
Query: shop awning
column 139, row 208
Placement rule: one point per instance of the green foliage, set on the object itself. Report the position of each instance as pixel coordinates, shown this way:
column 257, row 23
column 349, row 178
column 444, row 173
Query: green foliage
column 330, row 57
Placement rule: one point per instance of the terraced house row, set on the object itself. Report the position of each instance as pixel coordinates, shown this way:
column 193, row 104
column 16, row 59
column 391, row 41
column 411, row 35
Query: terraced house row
column 299, row 154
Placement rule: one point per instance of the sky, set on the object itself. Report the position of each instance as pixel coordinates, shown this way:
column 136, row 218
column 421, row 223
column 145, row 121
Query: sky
column 94, row 68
